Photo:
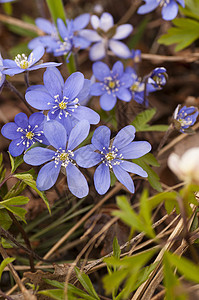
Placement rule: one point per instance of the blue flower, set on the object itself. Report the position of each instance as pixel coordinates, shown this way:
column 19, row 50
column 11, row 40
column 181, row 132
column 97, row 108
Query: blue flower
column 113, row 156
column 184, row 117
column 63, row 156
column 169, row 7
column 113, row 84
column 24, row 132
column 70, row 34
column 2, row 76
column 63, row 100
column 158, row 77
column 107, row 35
column 137, row 88
column 23, row 63
column 48, row 41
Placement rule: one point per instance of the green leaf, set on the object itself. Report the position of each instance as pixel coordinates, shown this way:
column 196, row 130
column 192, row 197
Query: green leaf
column 116, row 248
column 185, row 267
column 141, row 120
column 145, row 212
column 29, row 180
column 56, row 294
column 129, row 269
column 4, row 263
column 153, row 178
column 56, row 9
column 71, row 289
column 86, row 283
column 171, row 281
column 15, row 190
column 131, row 218
column 15, row 162
column 9, row 204
column 5, row 220
column 185, row 33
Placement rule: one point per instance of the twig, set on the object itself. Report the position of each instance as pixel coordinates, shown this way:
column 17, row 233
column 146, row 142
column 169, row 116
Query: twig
column 13, row 21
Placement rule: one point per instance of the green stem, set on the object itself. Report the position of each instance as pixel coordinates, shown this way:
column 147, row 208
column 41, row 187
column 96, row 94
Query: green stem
column 5, row 179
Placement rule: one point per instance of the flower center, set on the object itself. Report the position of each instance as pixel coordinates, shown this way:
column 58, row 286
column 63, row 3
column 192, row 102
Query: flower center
column 30, row 135
column 64, row 157
column 111, row 84
column 111, row 157
column 163, row 2
column 62, row 105
column 22, row 61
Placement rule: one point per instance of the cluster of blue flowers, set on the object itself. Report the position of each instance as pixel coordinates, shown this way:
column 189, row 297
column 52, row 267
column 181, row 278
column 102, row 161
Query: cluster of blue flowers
column 53, row 134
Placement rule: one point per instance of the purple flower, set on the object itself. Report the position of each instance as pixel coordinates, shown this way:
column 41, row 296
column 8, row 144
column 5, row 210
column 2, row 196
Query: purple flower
column 107, row 35
column 113, row 156
column 48, row 41
column 169, row 7
column 24, row 132
column 113, row 84
column 70, row 34
column 158, row 77
column 2, row 76
column 137, row 88
column 23, row 63
column 62, row 100
column 184, row 117
column 62, row 156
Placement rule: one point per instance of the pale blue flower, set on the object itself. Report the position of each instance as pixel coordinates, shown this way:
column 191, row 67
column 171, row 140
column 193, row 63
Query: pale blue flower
column 106, row 36
column 61, row 157
column 113, row 156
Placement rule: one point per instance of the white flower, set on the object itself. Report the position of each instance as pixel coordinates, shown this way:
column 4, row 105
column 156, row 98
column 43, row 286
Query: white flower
column 186, row 167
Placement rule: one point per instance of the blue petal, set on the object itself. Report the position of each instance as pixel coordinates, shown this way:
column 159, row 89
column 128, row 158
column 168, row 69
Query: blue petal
column 126, row 80
column 55, row 134
column 73, row 85
column 85, row 91
column 124, row 94
column 48, row 176
column 62, row 28
column 77, row 183
column 78, row 134
column 148, row 6
column 36, row 119
column 118, row 68
column 52, row 82
column 124, row 137
column 80, row 42
column 170, row 11
column 36, row 54
column 101, row 138
column 38, row 156
column 45, row 25
column 82, row 112
column 21, row 120
column 124, row 178
column 135, row 150
column 81, row 21
column 133, row 168
column 102, row 179
column 9, row 130
column 86, row 157
column 100, row 70
column 44, row 65
column 8, row 63
column 39, row 99
column 97, row 89
column 14, row 149
column 14, row 71
column 181, row 2
column 107, row 101
column 90, row 35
